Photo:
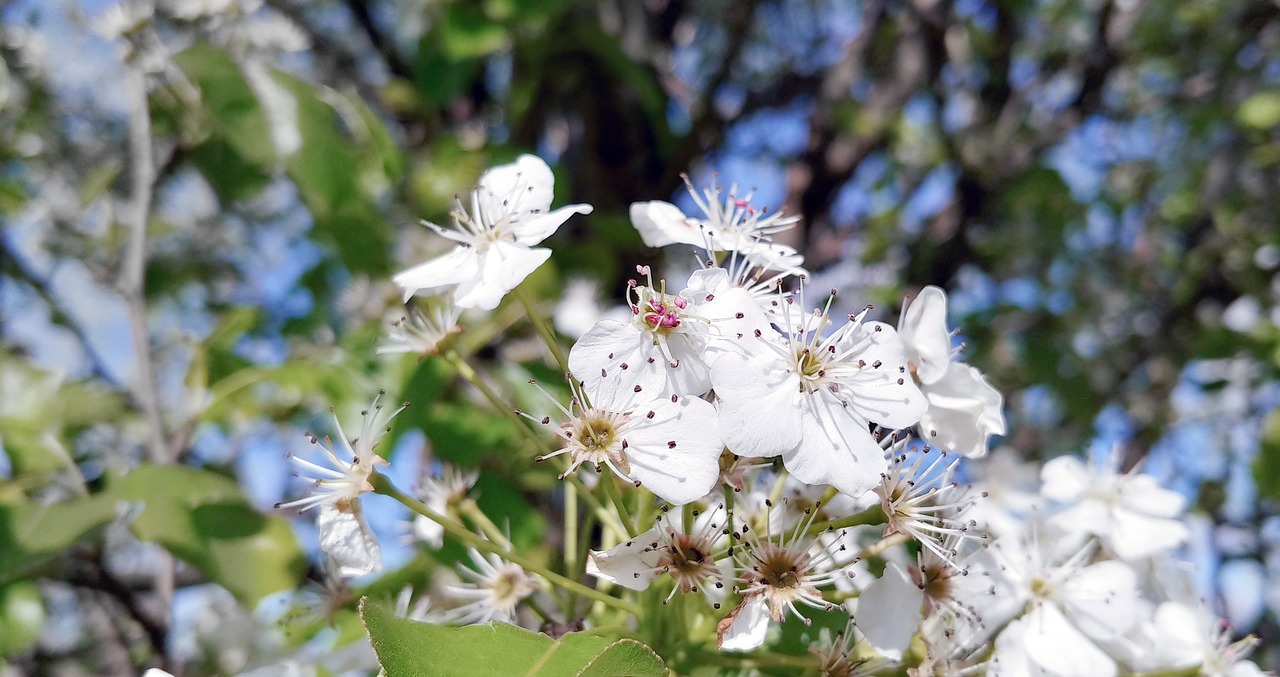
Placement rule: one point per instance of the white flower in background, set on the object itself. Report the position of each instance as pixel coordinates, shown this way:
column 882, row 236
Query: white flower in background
column 579, row 310
column 693, row 560
column 1062, row 612
column 344, row 534
column 1011, row 486
column 843, row 658
column 660, row 351
column 777, row 576
column 670, row 445
column 1130, row 513
column 729, row 225
column 964, row 410
column 811, row 399
column 439, row 495
column 1179, row 637
column 422, row 331
column 495, row 249
column 492, row 592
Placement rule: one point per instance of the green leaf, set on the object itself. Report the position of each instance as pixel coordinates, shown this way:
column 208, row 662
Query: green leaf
column 203, row 518
column 31, row 533
column 467, row 33
column 408, row 648
column 233, row 107
column 327, row 170
column 1260, row 111
column 1266, row 467
column 21, row 617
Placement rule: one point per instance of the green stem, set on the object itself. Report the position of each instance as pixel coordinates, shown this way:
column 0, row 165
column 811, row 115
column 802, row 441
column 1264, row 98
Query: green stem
column 469, row 374
column 607, row 517
column 570, row 528
column 383, row 485
column 872, row 515
column 611, row 490
column 540, row 325
column 473, row 512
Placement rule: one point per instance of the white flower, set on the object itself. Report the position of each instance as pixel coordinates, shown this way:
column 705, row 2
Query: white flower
column 659, row 352
column 423, row 332
column 777, row 574
column 1068, row 608
column 811, row 400
column 670, row 445
column 728, row 226
column 344, row 534
column 493, row 591
column 922, row 502
column 692, row 559
column 964, row 410
column 1131, row 514
column 439, row 495
column 495, row 241
column 1181, row 636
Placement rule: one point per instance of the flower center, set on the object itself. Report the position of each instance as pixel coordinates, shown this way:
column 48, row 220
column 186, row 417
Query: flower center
column 661, row 312
column 811, row 368
column 595, row 439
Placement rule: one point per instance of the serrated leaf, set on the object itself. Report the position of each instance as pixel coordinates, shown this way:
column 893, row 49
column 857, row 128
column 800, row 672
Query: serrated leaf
column 410, row 649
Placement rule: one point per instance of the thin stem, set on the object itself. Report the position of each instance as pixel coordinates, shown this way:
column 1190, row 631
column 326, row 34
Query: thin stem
column 570, row 528
column 540, row 325
column 383, row 485
column 468, row 508
column 872, row 515
column 624, row 515
column 607, row 517
column 469, row 374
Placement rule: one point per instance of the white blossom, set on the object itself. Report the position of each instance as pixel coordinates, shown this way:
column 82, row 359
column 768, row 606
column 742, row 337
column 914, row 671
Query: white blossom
column 964, row 410
column 495, row 241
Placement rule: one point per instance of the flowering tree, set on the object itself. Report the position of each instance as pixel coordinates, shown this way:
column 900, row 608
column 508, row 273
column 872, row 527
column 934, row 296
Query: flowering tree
column 606, row 411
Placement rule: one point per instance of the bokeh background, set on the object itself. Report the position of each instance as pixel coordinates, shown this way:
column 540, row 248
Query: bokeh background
column 203, row 202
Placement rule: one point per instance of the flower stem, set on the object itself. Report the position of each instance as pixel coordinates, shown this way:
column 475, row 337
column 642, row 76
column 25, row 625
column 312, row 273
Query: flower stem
column 383, row 485
column 469, row 374
column 570, row 528
column 540, row 325
column 472, row 511
column 611, row 490
column 872, row 515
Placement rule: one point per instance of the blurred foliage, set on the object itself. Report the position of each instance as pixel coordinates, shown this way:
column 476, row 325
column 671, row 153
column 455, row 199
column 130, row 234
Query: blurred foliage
column 1095, row 183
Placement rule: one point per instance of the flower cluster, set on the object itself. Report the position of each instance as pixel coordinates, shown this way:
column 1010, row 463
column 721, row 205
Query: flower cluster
column 772, row 456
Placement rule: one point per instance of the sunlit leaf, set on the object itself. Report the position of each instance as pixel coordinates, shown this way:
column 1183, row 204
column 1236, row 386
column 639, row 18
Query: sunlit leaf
column 407, row 648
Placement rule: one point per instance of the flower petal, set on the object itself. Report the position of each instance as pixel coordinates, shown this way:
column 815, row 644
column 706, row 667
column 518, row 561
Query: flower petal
column 679, row 473
column 456, row 266
column 502, row 266
column 836, row 448
column 537, row 228
column 662, row 223
column 745, row 627
column 597, row 358
column 924, row 332
column 890, row 609
column 631, row 564
column 758, row 405
column 346, row 537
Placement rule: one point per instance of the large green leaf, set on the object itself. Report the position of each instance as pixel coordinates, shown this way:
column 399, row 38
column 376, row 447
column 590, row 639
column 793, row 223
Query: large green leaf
column 203, row 518
column 408, row 649
column 31, row 533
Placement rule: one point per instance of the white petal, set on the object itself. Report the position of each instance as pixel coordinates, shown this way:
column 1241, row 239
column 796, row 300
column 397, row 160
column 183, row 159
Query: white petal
column 523, row 188
column 346, row 537
column 745, row 627
column 1142, row 493
column 884, row 394
column 662, row 223
column 503, row 265
column 631, row 564
column 924, row 331
column 836, row 448
column 1101, row 599
column 597, row 358
column 758, row 405
column 535, row 229
column 889, row 612
column 1136, row 536
column 963, row 411
column 689, row 470
column 1056, row 647
column 1065, row 479
column 457, row 266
